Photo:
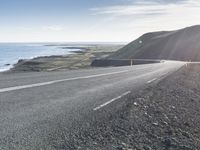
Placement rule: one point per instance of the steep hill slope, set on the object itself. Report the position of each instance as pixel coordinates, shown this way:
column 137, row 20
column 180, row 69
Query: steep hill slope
column 183, row 44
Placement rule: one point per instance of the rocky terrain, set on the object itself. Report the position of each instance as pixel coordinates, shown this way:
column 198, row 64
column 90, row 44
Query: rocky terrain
column 181, row 45
column 163, row 116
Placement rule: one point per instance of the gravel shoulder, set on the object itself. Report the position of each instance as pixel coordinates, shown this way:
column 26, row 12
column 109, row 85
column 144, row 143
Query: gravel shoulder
column 163, row 116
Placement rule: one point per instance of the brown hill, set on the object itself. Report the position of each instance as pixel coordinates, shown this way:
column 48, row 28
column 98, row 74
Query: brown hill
column 183, row 44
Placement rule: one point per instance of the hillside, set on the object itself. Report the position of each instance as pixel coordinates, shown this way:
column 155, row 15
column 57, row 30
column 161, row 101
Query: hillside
column 183, row 44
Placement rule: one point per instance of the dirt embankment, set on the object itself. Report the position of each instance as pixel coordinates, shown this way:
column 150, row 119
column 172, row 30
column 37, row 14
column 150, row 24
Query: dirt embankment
column 164, row 116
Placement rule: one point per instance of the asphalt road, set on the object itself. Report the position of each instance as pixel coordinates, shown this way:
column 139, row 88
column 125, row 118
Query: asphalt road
column 38, row 109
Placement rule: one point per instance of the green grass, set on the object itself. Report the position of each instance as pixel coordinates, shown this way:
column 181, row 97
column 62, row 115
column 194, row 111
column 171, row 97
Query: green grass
column 72, row 61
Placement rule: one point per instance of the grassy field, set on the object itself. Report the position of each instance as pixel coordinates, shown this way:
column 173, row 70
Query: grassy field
column 77, row 60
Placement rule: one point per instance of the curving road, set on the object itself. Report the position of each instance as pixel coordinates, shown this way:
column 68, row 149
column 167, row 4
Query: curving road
column 38, row 108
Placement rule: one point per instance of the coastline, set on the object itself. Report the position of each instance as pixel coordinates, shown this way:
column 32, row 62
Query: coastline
column 79, row 58
column 12, row 53
column 9, row 67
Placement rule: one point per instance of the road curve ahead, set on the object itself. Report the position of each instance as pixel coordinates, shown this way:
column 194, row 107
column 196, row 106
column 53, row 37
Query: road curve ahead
column 37, row 109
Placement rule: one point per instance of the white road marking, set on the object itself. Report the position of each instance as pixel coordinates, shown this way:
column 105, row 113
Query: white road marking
column 152, row 80
column 164, row 74
column 112, row 100
column 56, row 81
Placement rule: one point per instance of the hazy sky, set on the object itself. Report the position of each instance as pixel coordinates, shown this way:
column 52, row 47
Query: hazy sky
column 92, row 20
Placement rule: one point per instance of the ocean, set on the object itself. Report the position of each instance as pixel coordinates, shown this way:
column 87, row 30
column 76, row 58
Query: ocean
column 10, row 53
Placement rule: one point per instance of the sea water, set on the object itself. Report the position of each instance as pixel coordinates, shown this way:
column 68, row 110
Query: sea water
column 10, row 53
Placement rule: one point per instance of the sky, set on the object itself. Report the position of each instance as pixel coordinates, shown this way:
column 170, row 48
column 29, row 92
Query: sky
column 92, row 20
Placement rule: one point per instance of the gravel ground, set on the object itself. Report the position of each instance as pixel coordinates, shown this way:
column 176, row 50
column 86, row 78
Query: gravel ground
column 163, row 116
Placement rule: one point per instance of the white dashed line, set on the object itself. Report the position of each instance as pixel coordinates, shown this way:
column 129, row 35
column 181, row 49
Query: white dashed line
column 164, row 74
column 150, row 81
column 112, row 100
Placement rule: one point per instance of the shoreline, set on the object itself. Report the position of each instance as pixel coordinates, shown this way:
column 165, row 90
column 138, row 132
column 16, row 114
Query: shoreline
column 79, row 58
column 8, row 67
column 7, row 64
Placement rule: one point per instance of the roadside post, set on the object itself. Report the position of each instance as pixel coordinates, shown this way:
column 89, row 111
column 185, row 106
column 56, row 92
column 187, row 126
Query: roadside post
column 131, row 62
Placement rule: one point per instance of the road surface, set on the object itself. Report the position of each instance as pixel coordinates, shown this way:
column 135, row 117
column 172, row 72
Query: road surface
column 37, row 109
